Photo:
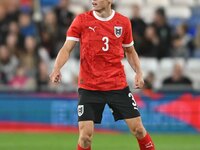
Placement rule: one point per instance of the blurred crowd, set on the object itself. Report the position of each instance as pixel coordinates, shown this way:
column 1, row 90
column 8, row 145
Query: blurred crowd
column 29, row 43
column 159, row 39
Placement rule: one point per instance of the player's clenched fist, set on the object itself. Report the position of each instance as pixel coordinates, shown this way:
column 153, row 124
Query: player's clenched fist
column 139, row 82
column 55, row 76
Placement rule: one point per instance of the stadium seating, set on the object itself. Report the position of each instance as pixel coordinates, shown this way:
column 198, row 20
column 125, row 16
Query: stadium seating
column 129, row 2
column 156, row 3
column 193, row 64
column 129, row 72
column 149, row 65
column 147, row 12
column 161, row 69
column 126, row 12
column 177, row 11
column 76, row 9
column 193, row 71
column 70, row 71
column 182, row 12
column 183, row 2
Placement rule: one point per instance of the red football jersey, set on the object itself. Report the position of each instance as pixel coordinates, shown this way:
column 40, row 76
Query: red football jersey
column 102, row 41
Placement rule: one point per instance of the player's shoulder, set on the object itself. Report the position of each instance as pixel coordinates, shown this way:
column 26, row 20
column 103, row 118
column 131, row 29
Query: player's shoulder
column 85, row 16
column 121, row 17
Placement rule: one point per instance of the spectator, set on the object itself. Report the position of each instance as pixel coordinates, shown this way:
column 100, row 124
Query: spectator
column 30, row 56
column 186, row 39
column 27, row 27
column 177, row 78
column 50, row 24
column 179, row 49
column 21, row 81
column 43, row 76
column 149, row 81
column 3, row 79
column 50, row 34
column 3, row 24
column 163, row 31
column 13, row 10
column 181, row 31
column 138, row 26
column 64, row 17
column 8, row 63
column 150, row 44
column 18, row 35
column 197, row 44
column 14, row 29
column 12, row 44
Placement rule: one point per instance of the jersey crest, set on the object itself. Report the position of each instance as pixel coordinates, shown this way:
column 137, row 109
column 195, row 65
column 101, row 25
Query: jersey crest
column 118, row 31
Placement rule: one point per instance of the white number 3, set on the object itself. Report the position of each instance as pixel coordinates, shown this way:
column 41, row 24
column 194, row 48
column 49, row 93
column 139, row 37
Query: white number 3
column 106, row 42
column 133, row 100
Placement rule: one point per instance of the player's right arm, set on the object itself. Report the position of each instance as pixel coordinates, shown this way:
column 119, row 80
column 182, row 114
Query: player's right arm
column 61, row 59
column 73, row 36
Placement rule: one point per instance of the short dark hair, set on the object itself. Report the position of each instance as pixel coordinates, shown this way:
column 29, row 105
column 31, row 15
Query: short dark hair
column 161, row 11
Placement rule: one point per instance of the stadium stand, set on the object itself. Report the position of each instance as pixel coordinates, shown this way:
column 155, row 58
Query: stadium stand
column 26, row 32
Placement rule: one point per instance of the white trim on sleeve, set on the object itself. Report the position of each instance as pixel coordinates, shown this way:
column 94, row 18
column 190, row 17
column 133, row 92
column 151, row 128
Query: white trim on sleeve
column 128, row 45
column 72, row 38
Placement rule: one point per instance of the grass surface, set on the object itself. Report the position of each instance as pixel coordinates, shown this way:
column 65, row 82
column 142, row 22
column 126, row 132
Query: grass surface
column 58, row 141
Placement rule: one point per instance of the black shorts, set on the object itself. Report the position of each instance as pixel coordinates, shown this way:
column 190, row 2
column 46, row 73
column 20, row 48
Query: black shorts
column 91, row 104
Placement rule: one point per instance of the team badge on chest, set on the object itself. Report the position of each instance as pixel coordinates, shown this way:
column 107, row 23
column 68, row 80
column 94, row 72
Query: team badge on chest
column 118, row 31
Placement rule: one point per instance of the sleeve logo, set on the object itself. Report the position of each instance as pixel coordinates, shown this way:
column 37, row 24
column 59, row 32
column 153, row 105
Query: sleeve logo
column 80, row 110
column 118, row 31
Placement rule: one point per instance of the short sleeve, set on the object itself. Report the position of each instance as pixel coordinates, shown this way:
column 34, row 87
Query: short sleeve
column 128, row 37
column 74, row 31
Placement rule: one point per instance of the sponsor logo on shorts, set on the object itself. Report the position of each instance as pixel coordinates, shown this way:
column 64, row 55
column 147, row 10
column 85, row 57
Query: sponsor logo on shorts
column 80, row 110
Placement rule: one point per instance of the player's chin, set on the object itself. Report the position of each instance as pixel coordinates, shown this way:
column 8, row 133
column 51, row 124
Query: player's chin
column 96, row 8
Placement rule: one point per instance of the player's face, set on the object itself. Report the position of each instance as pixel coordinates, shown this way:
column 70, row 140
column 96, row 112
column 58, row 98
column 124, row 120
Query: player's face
column 99, row 5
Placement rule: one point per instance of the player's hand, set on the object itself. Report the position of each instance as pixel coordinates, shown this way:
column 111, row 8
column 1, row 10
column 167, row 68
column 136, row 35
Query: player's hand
column 55, row 76
column 139, row 81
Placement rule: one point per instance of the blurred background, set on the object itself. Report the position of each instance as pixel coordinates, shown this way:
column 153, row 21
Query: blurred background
column 167, row 38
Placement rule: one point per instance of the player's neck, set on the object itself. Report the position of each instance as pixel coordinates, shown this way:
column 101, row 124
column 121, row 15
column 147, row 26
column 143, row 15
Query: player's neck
column 105, row 13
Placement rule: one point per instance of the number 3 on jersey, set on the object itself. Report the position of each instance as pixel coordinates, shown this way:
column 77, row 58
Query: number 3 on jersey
column 106, row 43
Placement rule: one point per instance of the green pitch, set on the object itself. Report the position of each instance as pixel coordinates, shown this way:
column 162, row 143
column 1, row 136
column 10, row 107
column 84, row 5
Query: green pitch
column 63, row 141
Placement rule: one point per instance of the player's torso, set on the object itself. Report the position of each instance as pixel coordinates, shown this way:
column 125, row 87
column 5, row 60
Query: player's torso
column 102, row 39
column 101, row 49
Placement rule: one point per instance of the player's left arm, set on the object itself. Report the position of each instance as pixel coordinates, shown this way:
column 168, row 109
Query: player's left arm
column 134, row 62
column 132, row 55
